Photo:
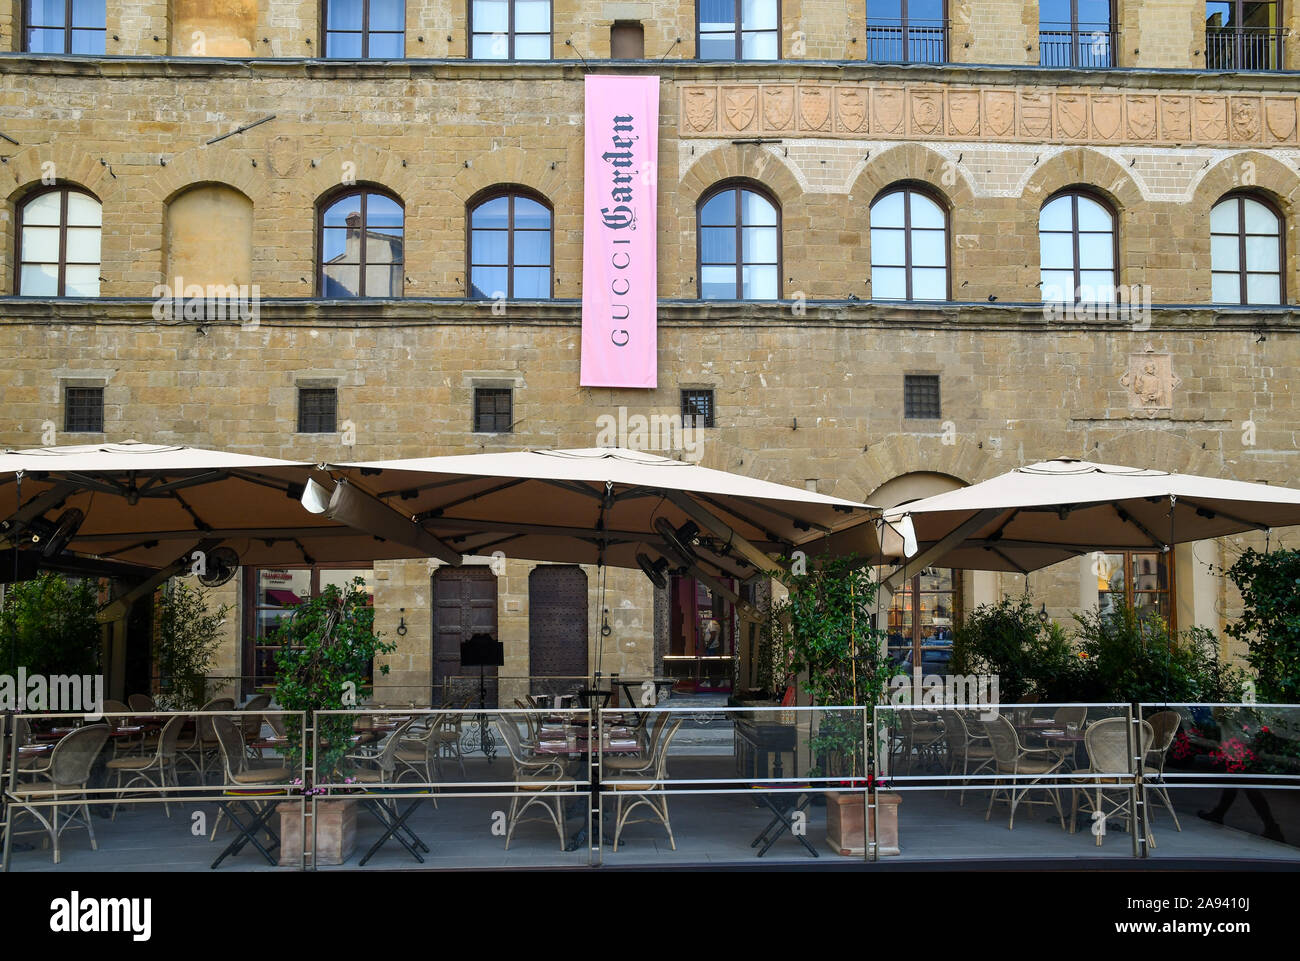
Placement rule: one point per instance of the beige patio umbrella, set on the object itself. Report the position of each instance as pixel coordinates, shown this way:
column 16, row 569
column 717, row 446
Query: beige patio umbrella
column 1038, row 515
column 152, row 504
column 612, row 506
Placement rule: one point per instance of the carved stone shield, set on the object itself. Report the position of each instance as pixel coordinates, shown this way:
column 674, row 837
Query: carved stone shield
column 1000, row 112
column 1141, row 117
column 1245, row 119
column 701, row 107
column 963, row 112
column 739, row 106
column 1106, row 113
column 1072, row 115
column 778, row 108
column 927, row 112
column 888, row 104
column 814, row 107
column 1176, row 118
column 1035, row 115
column 851, row 106
column 1211, row 119
column 1279, row 114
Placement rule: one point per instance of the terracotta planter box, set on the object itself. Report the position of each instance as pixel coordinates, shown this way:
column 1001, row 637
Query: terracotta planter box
column 336, row 833
column 844, row 824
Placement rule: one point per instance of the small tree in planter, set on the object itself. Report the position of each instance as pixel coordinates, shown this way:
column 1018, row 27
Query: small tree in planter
column 326, row 648
column 1270, row 620
column 186, row 639
column 825, row 625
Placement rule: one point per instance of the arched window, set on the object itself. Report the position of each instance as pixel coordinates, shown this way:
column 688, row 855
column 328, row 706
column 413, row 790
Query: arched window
column 739, row 30
column 64, row 26
column 1245, row 252
column 739, row 245
column 361, row 245
column 365, row 29
column 909, row 246
column 1076, row 240
column 510, row 29
column 510, row 252
column 58, row 244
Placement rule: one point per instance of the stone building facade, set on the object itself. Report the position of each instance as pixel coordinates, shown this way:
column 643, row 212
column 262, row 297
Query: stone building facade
column 215, row 139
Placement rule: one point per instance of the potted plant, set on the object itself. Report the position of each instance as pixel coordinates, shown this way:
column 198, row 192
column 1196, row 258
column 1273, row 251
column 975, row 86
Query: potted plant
column 824, row 626
column 185, row 641
column 326, row 649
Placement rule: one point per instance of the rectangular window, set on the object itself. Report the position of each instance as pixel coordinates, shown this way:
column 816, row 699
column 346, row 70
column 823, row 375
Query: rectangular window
column 492, row 410
column 64, row 26
column 1137, row 579
column 83, row 410
column 510, row 29
column 274, row 593
column 1240, row 35
column 318, row 410
column 365, row 29
column 697, row 408
column 921, row 396
column 907, row 31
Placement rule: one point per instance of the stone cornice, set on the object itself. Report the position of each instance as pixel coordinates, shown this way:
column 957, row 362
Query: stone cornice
column 855, row 71
column 290, row 313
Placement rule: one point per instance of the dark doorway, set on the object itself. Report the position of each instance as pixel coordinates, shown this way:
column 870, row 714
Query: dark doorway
column 557, row 624
column 464, row 604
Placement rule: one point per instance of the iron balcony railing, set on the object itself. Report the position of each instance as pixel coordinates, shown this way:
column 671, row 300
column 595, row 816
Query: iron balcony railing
column 1243, row 48
column 910, row 41
column 1087, row 47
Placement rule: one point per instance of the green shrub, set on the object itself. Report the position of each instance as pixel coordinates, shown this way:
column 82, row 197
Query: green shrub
column 1270, row 620
column 48, row 625
column 186, row 641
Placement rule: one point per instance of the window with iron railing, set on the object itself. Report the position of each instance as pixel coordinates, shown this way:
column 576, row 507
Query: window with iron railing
column 1243, row 36
column 907, row 31
column 1076, row 33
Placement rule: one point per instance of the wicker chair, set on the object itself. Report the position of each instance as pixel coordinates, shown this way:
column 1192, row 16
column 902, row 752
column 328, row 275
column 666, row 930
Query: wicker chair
column 141, row 704
column 1109, row 753
column 1070, row 716
column 651, row 795
column 1164, row 727
column 203, row 747
column 69, row 770
column 140, row 767
column 925, row 738
column 965, row 748
column 1012, row 759
column 379, row 768
column 536, row 776
column 250, row 722
column 243, row 784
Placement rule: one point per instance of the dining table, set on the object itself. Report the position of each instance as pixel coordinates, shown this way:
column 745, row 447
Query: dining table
column 572, row 737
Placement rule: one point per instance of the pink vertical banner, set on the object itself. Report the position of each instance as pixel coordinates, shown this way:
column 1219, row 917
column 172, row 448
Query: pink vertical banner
column 619, row 275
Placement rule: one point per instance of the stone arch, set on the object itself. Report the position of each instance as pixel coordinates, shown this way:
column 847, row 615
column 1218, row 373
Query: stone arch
column 510, row 165
column 898, row 454
column 208, row 165
column 362, row 164
column 738, row 162
column 208, row 236
column 1086, row 167
column 1161, row 450
column 915, row 163
column 1268, row 177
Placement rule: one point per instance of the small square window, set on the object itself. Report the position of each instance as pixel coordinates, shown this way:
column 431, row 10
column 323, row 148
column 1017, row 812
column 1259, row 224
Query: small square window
column 318, row 409
column 83, row 410
column 492, row 410
column 921, row 396
column 697, row 408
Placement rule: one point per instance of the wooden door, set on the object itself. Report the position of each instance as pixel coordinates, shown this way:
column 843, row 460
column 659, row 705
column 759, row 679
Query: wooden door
column 557, row 624
column 464, row 604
